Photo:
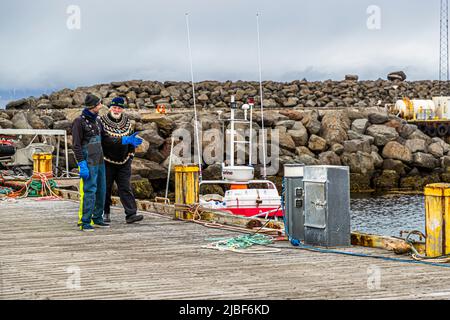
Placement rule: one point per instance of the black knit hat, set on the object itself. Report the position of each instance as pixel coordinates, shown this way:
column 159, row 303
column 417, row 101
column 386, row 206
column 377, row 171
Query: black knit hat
column 118, row 102
column 91, row 101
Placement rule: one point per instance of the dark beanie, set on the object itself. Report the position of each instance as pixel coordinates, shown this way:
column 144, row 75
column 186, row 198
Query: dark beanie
column 91, row 101
column 118, row 102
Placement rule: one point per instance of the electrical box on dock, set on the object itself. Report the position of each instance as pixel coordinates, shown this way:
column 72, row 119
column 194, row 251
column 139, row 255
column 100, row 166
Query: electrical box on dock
column 327, row 205
column 294, row 201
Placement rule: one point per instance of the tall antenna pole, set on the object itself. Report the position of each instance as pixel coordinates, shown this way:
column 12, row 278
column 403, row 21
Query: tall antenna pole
column 443, row 58
column 261, row 93
column 193, row 95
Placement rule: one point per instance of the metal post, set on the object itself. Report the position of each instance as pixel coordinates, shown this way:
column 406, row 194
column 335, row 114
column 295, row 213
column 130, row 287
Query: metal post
column 57, row 156
column 67, row 154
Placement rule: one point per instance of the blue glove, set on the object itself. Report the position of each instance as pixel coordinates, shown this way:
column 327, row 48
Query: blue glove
column 133, row 140
column 84, row 171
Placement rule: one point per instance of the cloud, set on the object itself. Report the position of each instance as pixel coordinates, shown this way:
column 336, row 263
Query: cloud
column 123, row 40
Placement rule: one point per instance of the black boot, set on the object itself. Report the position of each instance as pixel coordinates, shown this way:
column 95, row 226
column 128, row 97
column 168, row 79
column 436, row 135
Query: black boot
column 107, row 217
column 134, row 218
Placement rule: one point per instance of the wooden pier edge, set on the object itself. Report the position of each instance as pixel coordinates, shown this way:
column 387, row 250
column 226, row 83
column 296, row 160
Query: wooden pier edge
column 398, row 245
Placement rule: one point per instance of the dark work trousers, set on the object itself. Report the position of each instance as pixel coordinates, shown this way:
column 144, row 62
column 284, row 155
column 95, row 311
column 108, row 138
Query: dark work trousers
column 121, row 174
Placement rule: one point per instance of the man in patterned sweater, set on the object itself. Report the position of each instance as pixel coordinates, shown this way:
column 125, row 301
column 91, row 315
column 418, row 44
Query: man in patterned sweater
column 118, row 160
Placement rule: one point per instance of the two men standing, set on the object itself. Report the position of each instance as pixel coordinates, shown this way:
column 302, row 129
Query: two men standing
column 89, row 137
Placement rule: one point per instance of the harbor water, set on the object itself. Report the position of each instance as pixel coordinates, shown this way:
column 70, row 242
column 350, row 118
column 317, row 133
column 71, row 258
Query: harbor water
column 387, row 214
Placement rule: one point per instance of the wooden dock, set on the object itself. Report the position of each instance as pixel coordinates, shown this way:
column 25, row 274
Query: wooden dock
column 42, row 251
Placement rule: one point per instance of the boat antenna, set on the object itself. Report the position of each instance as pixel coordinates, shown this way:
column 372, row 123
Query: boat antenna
column 193, row 95
column 261, row 93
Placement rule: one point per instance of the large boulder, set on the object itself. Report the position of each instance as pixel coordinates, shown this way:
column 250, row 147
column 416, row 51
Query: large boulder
column 416, row 145
column 425, row 160
column 334, row 127
column 378, row 117
column 212, row 172
column 20, row 121
column 420, row 135
column 389, row 179
column 152, row 137
column 337, row 148
column 299, row 135
column 436, row 150
column 360, row 125
column 329, row 158
column 377, row 159
column 396, row 165
column 142, row 188
column 304, row 150
column 148, row 169
column 317, row 143
column 356, row 145
column 396, row 75
column 359, row 162
column 20, row 104
column 307, row 160
column 412, row 183
column 406, row 130
column 63, row 125
column 292, row 114
column 6, row 124
column 311, row 122
column 286, row 142
column 359, row 182
column 394, row 150
column 382, row 134
column 35, row 122
column 165, row 124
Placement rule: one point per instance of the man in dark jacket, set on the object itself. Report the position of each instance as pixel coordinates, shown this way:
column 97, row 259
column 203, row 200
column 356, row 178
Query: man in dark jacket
column 87, row 135
column 118, row 160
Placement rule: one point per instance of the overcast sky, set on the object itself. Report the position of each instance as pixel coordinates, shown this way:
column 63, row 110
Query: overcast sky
column 138, row 39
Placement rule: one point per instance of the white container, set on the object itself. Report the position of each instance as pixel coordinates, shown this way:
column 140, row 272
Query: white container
column 421, row 108
column 442, row 105
column 238, row 173
column 250, row 198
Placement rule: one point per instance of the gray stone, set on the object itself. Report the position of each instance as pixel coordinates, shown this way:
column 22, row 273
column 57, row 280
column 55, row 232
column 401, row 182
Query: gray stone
column 382, row 134
column 359, row 162
column 329, row 158
column 377, row 159
column 304, row 150
column 360, row 125
column 317, row 143
column 357, row 145
column 378, row 117
column 337, row 148
column 416, row 145
column 436, row 150
column 148, row 169
column 300, row 136
column 425, row 160
column 394, row 150
column 20, row 121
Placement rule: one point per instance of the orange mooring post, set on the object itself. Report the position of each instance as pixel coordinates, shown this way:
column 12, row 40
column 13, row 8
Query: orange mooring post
column 437, row 219
column 186, row 188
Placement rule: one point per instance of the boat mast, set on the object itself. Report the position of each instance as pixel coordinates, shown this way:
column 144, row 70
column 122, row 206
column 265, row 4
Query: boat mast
column 193, row 95
column 261, row 93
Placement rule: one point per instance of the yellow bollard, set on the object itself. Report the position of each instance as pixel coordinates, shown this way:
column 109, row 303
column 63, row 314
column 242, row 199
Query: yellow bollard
column 437, row 219
column 42, row 164
column 186, row 188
